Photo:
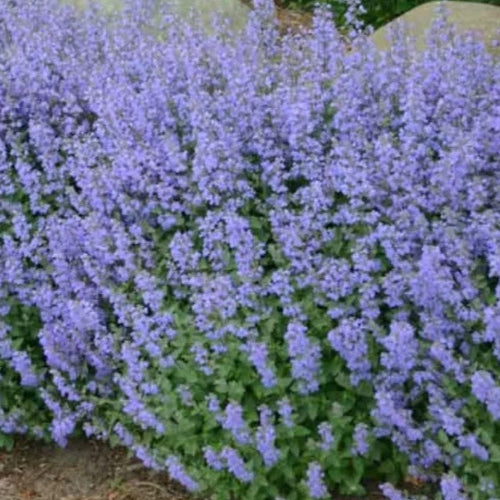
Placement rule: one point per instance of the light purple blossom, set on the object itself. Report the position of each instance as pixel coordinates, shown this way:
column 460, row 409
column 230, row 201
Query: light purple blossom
column 213, row 403
column 360, row 436
column 392, row 493
column 201, row 358
column 258, row 354
column 236, row 465
column 487, row 391
column 305, row 357
column 326, row 434
column 401, row 346
column 349, row 340
column 265, row 437
column 451, row 488
column 233, row 421
column 471, row 443
column 125, row 436
column 315, row 481
column 177, row 472
column 213, row 458
column 285, row 410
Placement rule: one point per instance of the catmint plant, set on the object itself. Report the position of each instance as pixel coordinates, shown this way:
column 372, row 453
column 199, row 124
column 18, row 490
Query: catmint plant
column 266, row 264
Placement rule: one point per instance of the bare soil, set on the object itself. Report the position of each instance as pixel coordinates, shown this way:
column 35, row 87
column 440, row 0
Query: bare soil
column 84, row 470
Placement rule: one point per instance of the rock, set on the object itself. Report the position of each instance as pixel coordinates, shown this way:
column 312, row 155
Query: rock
column 234, row 10
column 109, row 5
column 483, row 19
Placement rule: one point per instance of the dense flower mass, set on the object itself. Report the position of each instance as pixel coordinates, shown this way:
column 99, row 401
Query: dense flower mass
column 268, row 265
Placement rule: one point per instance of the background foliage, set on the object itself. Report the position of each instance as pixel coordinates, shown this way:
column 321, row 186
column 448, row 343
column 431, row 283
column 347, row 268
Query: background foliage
column 378, row 12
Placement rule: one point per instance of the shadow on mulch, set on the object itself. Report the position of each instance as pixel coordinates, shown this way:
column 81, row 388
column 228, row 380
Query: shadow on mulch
column 84, row 470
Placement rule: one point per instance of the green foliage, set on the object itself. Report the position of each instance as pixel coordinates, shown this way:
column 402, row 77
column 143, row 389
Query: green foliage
column 378, row 12
column 18, row 402
column 6, row 441
column 188, row 424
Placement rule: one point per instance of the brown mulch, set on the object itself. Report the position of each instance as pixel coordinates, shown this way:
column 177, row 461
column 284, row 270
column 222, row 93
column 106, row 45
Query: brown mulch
column 85, row 470
column 295, row 19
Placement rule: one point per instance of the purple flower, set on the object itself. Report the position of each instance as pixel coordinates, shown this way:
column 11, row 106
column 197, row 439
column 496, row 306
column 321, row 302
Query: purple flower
column 482, row 385
column 201, row 358
column 326, row 435
column 213, row 403
column 470, row 442
column 390, row 413
column 315, row 483
column 486, row 391
column 177, row 472
column 391, row 492
column 451, row 487
column 360, row 437
column 62, row 427
column 236, row 465
column 265, row 437
column 233, row 421
column 305, row 356
column 431, row 453
column 125, row 436
column 22, row 364
column 401, row 346
column 445, row 415
column 257, row 354
column 213, row 458
column 439, row 352
column 349, row 340
column 285, row 410
column 185, row 394
column 146, row 457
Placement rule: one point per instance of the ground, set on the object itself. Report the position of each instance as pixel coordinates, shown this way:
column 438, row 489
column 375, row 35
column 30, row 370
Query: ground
column 92, row 470
column 84, row 470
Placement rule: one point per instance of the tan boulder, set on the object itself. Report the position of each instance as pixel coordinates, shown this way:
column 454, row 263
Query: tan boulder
column 234, row 10
column 480, row 18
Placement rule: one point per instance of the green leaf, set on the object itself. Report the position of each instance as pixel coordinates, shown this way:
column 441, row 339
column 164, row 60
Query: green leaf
column 235, row 390
column 343, row 380
column 270, row 325
column 294, row 448
column 300, row 430
column 6, row 442
column 221, row 386
column 312, row 409
column 387, row 467
column 364, row 389
column 494, row 453
column 277, row 256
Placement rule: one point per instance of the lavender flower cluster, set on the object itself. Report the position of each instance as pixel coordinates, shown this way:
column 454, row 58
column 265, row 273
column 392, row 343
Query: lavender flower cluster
column 253, row 259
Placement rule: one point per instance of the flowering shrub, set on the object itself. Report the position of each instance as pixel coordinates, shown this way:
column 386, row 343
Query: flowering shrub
column 268, row 266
